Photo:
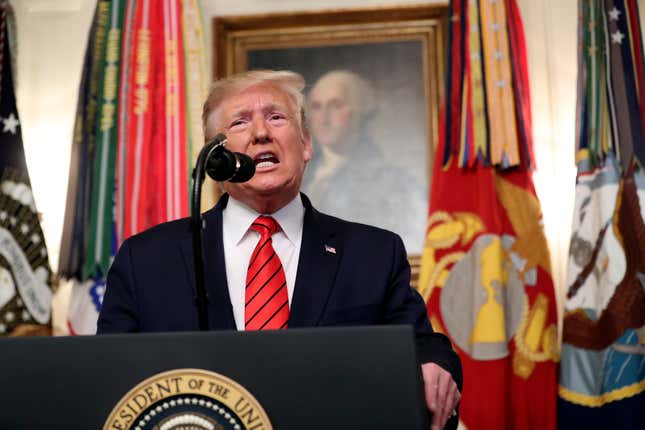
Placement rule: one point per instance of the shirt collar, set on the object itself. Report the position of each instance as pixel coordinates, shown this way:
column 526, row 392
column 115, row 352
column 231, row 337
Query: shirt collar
column 239, row 217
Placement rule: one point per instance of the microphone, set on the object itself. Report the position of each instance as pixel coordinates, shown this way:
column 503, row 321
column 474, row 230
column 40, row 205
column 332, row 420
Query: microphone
column 224, row 165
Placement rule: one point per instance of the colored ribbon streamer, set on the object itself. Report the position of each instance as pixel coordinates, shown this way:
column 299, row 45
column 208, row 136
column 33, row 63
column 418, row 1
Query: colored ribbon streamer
column 487, row 97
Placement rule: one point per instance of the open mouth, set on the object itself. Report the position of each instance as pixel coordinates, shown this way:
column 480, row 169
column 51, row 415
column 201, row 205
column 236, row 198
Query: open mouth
column 265, row 160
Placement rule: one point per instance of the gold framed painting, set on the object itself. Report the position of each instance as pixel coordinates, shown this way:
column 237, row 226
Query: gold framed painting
column 374, row 84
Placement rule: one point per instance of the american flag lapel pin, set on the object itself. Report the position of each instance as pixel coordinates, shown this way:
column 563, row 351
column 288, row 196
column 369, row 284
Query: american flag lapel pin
column 330, row 249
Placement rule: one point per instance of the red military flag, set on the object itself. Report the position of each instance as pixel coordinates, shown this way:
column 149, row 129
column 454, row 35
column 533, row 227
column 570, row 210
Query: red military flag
column 138, row 118
column 485, row 270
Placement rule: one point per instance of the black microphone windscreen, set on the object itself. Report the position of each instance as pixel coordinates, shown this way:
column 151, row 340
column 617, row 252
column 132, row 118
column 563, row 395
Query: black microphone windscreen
column 246, row 169
column 221, row 165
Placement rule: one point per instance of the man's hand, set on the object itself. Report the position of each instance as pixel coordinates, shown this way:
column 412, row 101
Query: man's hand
column 442, row 394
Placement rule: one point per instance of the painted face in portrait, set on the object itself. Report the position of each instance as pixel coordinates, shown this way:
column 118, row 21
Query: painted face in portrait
column 331, row 115
column 260, row 122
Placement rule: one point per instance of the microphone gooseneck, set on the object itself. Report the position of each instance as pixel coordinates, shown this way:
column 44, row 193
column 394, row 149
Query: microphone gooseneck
column 221, row 165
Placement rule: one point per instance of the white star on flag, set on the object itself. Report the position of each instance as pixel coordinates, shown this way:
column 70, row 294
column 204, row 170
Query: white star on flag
column 613, row 14
column 10, row 123
column 617, row 37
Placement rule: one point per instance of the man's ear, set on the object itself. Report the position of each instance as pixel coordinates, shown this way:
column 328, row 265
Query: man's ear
column 212, row 127
column 308, row 149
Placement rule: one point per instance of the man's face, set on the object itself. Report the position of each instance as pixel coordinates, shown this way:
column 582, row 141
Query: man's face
column 261, row 123
column 330, row 113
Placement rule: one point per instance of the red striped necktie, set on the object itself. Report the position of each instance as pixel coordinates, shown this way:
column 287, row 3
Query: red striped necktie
column 266, row 302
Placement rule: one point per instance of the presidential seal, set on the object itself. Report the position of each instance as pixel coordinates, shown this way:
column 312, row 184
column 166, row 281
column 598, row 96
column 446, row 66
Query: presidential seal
column 193, row 399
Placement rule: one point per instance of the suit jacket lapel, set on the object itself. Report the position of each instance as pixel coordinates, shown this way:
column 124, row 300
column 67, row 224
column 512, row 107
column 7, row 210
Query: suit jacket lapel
column 320, row 254
column 220, row 310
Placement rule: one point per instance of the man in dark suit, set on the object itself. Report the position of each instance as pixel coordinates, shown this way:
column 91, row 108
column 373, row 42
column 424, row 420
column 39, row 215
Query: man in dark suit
column 272, row 260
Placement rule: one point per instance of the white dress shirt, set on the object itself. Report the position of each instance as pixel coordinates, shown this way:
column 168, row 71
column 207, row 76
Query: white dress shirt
column 240, row 241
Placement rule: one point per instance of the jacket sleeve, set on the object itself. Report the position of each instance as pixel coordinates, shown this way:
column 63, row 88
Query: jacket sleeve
column 119, row 308
column 405, row 305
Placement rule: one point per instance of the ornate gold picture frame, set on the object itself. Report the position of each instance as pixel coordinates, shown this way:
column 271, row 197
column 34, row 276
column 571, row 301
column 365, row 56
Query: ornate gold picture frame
column 399, row 53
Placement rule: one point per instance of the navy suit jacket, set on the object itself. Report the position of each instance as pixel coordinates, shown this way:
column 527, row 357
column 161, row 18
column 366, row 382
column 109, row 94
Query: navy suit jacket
column 366, row 281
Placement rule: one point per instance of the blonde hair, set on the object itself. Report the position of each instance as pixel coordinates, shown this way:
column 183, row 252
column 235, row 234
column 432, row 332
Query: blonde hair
column 290, row 83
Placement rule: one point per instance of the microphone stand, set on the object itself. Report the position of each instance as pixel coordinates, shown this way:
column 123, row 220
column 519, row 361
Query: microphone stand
column 196, row 224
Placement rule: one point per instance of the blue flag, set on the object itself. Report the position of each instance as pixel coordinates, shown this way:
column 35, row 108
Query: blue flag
column 602, row 370
column 25, row 275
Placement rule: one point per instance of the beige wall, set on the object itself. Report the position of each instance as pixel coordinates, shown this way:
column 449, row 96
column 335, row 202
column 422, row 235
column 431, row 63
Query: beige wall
column 551, row 38
column 51, row 40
